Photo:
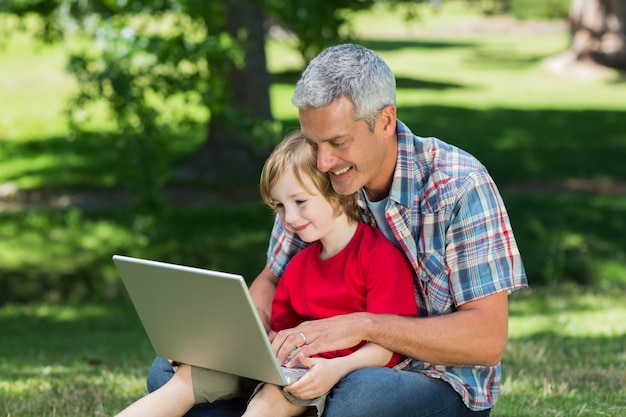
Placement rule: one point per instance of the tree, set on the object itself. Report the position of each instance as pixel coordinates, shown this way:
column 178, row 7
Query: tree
column 227, row 148
column 163, row 66
column 598, row 36
column 598, row 30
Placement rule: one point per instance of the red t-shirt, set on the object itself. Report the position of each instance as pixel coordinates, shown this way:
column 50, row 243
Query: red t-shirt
column 369, row 274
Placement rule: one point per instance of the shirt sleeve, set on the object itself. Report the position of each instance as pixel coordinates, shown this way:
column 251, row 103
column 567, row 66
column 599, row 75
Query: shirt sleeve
column 282, row 246
column 481, row 253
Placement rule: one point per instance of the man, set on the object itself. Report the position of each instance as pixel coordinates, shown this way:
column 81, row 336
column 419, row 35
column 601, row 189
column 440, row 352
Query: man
column 441, row 207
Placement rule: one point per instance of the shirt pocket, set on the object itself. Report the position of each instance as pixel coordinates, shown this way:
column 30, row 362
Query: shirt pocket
column 434, row 278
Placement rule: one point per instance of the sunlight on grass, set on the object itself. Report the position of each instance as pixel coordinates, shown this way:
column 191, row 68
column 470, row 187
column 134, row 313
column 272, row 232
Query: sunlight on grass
column 35, row 87
column 606, row 322
column 566, row 354
column 79, row 360
column 47, row 394
column 492, row 68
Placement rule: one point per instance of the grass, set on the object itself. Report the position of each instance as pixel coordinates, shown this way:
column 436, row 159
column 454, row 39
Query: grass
column 565, row 357
column 554, row 144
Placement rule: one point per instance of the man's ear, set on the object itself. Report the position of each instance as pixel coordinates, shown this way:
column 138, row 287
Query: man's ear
column 387, row 120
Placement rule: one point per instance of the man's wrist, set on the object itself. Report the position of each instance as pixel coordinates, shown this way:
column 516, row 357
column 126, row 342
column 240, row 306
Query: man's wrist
column 367, row 324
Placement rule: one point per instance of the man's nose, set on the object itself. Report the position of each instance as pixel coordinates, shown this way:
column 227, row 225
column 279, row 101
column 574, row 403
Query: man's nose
column 324, row 160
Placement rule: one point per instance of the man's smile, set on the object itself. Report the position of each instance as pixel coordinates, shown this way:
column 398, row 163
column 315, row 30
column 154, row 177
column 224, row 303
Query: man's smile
column 341, row 171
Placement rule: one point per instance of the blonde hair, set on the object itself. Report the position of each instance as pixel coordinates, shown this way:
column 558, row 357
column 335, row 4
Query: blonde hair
column 294, row 153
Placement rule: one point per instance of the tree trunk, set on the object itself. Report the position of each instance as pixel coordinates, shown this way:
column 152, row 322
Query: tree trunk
column 598, row 38
column 598, row 30
column 229, row 152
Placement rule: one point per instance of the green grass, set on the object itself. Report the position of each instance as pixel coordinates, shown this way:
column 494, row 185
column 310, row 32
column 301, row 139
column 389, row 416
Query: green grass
column 554, row 144
column 565, row 357
column 566, row 354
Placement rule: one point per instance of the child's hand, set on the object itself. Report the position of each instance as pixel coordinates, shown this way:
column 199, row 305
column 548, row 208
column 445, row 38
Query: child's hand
column 322, row 376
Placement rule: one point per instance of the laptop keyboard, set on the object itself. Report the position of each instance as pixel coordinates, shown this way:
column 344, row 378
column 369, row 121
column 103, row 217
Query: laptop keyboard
column 293, row 374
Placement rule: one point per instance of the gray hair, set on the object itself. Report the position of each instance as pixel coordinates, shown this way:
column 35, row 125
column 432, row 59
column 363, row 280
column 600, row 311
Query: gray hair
column 350, row 71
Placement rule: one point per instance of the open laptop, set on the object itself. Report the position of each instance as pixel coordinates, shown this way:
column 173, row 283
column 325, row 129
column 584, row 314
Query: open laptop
column 203, row 318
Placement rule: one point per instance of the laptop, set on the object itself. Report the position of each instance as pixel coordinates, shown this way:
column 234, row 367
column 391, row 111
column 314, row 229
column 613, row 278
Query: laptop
column 203, row 318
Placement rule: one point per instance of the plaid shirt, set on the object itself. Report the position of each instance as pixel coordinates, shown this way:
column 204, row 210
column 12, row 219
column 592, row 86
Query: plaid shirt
column 447, row 215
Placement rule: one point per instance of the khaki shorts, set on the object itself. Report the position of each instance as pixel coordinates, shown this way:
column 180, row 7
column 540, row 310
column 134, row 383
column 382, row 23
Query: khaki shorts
column 210, row 386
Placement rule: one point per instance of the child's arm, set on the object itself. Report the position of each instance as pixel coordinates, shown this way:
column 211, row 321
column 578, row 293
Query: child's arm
column 325, row 373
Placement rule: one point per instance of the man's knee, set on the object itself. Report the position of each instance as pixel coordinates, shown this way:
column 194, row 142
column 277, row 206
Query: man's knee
column 373, row 392
column 366, row 392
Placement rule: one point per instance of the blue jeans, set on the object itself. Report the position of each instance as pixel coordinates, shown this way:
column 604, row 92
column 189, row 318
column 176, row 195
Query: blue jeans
column 369, row 392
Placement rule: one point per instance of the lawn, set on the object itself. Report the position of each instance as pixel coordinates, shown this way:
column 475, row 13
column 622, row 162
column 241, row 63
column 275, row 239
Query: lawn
column 555, row 144
column 566, row 357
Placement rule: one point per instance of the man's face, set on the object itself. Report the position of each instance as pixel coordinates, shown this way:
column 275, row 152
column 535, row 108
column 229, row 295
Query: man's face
column 352, row 155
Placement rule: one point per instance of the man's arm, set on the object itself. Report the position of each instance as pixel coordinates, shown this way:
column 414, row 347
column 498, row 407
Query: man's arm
column 475, row 334
column 262, row 292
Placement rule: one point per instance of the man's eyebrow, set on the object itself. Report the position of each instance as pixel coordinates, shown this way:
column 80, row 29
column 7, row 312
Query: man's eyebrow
column 332, row 139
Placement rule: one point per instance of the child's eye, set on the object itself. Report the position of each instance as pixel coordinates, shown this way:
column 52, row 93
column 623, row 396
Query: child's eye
column 300, row 202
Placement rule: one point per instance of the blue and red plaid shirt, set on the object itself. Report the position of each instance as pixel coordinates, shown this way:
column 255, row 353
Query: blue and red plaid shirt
column 448, row 217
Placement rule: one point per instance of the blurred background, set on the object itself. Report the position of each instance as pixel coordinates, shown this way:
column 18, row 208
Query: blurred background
column 140, row 128
column 131, row 126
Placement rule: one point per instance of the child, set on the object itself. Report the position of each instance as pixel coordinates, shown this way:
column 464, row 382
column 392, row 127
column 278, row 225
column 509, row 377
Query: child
column 348, row 267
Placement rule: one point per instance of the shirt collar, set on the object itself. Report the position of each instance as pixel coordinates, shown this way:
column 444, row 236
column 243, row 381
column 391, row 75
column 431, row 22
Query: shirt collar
column 403, row 185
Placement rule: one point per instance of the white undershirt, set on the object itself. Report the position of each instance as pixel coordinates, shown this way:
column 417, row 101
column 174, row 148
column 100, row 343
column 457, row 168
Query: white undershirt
column 378, row 210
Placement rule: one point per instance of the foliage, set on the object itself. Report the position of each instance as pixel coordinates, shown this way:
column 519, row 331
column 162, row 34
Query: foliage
column 156, row 73
column 159, row 66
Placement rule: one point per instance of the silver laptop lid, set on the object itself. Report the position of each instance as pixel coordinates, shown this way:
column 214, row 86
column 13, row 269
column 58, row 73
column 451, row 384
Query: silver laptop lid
column 200, row 317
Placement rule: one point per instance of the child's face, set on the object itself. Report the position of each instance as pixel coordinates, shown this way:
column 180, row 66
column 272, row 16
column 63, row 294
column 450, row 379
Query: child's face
column 309, row 215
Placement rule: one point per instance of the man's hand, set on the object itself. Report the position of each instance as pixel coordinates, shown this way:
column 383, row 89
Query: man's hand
column 324, row 335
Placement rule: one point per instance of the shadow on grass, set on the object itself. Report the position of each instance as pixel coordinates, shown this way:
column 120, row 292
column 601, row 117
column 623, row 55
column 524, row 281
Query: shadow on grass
column 563, row 235
column 414, row 45
column 291, row 77
column 85, row 160
column 66, row 255
column 59, row 337
column 534, row 145
column 481, row 56
column 515, row 145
